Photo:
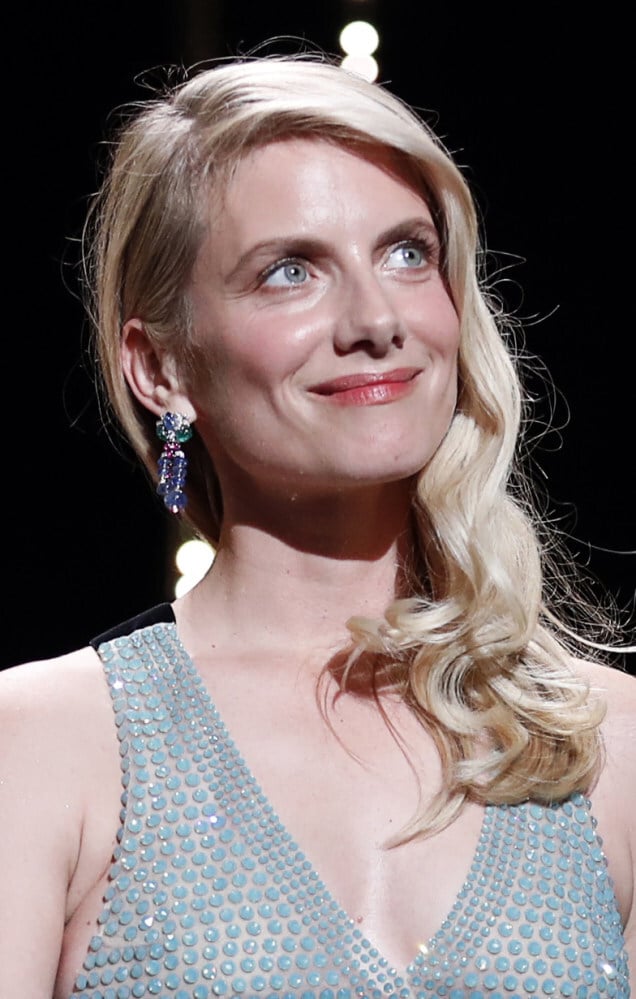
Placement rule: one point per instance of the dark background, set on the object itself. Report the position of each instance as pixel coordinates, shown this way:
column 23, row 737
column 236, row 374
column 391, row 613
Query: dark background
column 533, row 106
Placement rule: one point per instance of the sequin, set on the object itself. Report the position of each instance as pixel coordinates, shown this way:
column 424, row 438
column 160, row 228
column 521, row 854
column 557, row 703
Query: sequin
column 209, row 895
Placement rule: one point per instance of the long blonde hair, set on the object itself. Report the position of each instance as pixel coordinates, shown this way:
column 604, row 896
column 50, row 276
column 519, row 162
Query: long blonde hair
column 475, row 651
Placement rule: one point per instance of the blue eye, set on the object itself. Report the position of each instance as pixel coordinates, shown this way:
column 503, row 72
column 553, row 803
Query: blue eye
column 285, row 274
column 407, row 255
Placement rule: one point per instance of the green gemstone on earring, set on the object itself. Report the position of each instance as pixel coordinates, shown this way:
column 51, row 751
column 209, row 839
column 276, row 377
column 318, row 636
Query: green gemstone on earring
column 183, row 434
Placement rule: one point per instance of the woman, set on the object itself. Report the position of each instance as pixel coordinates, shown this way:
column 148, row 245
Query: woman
column 284, row 265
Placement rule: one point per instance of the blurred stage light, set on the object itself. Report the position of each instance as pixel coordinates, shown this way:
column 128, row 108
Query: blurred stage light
column 193, row 559
column 359, row 40
column 362, row 65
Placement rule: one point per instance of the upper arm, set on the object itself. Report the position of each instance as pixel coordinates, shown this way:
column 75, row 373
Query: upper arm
column 614, row 797
column 620, row 748
column 41, row 812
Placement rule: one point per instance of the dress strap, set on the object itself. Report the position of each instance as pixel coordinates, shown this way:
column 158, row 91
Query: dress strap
column 160, row 614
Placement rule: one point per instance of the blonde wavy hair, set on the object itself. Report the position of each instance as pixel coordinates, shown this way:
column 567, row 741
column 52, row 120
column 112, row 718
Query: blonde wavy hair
column 472, row 647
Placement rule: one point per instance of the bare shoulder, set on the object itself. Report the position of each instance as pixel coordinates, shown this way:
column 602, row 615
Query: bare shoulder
column 56, row 733
column 54, row 706
column 604, row 678
column 613, row 798
column 41, row 700
column 49, row 674
column 74, row 664
column 57, row 745
column 617, row 690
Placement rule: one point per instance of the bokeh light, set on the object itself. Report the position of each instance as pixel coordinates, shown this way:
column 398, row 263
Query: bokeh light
column 362, row 65
column 193, row 559
column 359, row 38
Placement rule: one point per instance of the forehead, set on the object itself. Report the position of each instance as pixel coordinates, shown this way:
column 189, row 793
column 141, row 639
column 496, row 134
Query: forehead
column 293, row 148
column 316, row 181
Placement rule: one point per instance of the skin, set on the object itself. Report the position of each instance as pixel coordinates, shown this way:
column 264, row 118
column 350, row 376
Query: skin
column 316, row 496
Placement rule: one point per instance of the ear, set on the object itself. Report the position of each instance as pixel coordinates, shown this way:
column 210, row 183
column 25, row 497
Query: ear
column 153, row 374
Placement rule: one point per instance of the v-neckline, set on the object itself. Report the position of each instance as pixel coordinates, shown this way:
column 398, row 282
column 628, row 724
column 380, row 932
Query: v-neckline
column 397, row 974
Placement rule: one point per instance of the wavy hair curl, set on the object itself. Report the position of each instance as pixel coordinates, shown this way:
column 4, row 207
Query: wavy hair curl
column 472, row 647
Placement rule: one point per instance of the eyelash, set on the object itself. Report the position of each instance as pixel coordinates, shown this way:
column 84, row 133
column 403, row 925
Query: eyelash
column 426, row 244
column 273, row 268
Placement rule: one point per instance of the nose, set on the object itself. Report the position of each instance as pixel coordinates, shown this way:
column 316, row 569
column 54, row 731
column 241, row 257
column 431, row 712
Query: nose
column 369, row 320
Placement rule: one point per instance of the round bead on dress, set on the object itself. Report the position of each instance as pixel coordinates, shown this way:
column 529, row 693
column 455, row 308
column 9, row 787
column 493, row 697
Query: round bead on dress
column 209, row 895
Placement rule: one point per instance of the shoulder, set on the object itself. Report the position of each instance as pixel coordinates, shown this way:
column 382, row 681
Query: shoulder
column 55, row 718
column 51, row 692
column 58, row 759
column 57, row 732
column 33, row 685
column 617, row 691
column 80, row 662
column 613, row 799
column 57, row 738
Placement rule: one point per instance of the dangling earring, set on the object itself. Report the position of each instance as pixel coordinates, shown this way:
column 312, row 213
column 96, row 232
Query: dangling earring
column 173, row 429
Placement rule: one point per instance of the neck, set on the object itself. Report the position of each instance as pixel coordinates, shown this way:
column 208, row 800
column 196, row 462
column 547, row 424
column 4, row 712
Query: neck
column 288, row 576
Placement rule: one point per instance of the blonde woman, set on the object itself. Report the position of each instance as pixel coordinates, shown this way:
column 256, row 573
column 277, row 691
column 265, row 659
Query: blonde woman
column 359, row 759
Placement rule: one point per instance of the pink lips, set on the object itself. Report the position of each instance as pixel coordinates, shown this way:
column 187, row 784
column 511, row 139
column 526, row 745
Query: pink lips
column 368, row 388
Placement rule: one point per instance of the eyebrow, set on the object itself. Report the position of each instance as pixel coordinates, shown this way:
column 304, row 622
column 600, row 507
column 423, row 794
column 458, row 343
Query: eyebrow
column 307, row 246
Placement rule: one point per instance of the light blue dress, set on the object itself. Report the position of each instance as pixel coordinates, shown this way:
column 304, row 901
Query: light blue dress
column 210, row 896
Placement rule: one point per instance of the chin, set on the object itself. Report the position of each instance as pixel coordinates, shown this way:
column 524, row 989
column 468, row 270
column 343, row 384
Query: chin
column 388, row 464
column 358, row 475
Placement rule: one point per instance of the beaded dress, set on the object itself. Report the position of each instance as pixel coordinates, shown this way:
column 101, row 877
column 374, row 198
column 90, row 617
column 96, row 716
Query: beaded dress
column 209, row 895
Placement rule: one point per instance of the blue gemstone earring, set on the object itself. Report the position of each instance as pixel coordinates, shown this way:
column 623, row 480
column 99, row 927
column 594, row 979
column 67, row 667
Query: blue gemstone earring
column 174, row 430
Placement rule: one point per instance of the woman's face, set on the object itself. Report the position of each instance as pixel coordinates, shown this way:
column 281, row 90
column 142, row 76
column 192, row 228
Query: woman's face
column 325, row 338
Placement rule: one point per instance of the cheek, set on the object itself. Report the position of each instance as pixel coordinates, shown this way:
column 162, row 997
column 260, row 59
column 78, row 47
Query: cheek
column 238, row 379
column 439, row 334
column 227, row 364
column 261, row 351
column 432, row 317
column 447, row 325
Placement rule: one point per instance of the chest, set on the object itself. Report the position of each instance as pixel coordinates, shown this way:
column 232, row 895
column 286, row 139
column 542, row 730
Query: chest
column 213, row 894
column 343, row 786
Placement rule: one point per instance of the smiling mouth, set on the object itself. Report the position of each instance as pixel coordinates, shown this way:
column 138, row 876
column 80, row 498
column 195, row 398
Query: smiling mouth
column 400, row 376
column 368, row 388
